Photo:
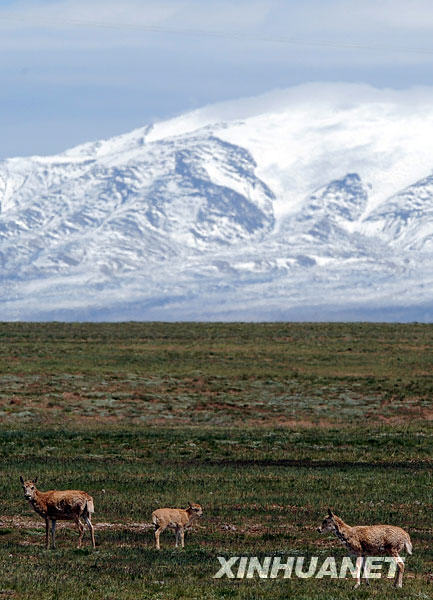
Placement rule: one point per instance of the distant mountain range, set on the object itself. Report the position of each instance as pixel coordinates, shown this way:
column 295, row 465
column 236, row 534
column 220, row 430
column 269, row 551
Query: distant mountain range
column 284, row 207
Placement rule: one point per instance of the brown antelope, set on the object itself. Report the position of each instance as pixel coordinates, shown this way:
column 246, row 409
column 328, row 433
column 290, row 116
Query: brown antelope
column 175, row 518
column 64, row 505
column 370, row 540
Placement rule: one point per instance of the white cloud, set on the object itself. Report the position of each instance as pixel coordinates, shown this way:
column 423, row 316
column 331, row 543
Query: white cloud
column 332, row 97
column 403, row 15
column 354, row 18
column 157, row 58
column 208, row 15
column 391, row 26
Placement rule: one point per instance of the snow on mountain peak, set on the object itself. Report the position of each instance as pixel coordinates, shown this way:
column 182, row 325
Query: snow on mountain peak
column 304, row 203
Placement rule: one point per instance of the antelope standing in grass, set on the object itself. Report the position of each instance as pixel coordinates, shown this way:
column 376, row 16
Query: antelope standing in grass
column 67, row 505
column 370, row 540
column 175, row 518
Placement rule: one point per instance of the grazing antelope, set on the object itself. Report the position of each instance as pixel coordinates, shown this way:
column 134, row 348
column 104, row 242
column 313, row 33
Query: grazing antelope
column 175, row 518
column 64, row 505
column 370, row 540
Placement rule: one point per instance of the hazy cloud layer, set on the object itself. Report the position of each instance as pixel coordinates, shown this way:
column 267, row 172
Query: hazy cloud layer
column 78, row 70
column 350, row 19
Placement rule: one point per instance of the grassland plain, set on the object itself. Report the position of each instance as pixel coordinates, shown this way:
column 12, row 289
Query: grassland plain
column 266, row 425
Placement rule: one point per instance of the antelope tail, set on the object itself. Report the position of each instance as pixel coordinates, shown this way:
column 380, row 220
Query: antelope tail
column 408, row 547
column 89, row 506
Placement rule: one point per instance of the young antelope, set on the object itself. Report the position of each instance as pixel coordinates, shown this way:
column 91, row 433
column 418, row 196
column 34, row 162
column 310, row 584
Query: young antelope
column 175, row 518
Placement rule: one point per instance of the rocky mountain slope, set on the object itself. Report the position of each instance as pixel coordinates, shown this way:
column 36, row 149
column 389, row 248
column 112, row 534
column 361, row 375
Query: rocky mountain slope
column 291, row 212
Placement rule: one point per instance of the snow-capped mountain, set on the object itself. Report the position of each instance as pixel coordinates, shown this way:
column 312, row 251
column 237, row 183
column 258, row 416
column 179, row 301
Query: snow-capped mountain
column 405, row 221
column 293, row 206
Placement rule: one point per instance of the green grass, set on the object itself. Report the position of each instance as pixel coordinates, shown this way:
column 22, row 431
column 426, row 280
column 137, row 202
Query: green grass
column 264, row 425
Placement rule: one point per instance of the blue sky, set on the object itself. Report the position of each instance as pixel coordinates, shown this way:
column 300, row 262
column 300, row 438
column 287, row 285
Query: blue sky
column 74, row 71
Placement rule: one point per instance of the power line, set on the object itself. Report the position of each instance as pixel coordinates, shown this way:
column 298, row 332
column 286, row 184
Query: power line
column 237, row 36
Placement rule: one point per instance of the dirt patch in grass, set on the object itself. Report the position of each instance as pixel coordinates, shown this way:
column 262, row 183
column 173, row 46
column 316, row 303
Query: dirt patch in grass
column 19, row 522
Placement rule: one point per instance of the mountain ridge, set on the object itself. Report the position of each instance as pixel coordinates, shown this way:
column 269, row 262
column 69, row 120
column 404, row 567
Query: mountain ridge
column 260, row 218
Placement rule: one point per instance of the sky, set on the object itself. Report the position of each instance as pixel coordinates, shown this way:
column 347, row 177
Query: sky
column 76, row 71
